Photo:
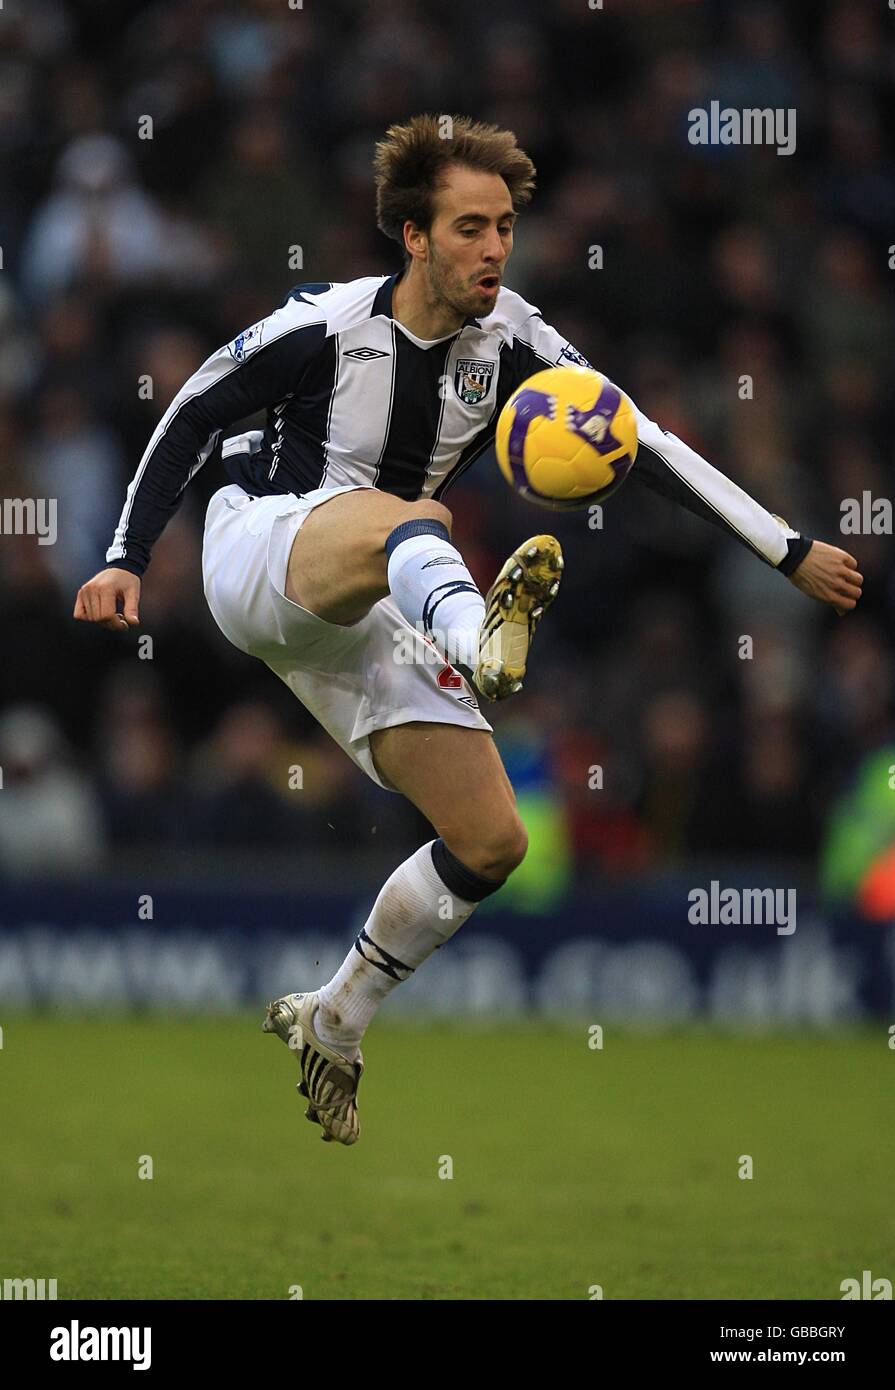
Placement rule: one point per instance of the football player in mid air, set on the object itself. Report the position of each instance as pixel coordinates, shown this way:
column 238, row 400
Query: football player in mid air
column 329, row 556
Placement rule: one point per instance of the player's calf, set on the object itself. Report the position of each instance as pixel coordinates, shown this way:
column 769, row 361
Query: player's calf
column 455, row 777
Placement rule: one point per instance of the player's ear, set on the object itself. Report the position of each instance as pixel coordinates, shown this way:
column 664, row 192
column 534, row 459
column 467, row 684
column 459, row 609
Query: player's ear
column 416, row 240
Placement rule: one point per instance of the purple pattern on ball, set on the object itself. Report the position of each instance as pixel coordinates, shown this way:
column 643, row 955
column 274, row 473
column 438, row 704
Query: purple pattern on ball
column 529, row 405
column 593, row 425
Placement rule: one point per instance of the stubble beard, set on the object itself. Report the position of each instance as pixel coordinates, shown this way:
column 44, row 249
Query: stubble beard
column 447, row 291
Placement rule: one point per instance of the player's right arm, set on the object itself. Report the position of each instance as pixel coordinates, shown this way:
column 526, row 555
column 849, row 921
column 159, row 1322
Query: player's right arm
column 260, row 368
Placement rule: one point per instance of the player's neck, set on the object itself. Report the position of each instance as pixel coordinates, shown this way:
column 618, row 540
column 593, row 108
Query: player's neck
column 414, row 307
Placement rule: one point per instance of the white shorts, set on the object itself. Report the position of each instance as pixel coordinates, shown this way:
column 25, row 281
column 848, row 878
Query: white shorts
column 376, row 673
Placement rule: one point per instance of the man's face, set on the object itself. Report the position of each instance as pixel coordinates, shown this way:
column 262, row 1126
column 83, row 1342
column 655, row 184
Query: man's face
column 469, row 242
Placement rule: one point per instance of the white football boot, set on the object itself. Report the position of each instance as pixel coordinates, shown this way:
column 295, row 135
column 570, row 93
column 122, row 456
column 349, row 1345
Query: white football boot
column 329, row 1081
column 514, row 605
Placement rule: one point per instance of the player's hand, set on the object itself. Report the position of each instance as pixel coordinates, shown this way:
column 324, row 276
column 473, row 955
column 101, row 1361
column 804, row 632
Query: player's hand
column 101, row 598
column 829, row 575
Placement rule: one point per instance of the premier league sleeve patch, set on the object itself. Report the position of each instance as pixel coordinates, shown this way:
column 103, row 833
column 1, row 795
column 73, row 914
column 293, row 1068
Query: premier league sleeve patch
column 472, row 379
column 571, row 354
column 246, row 342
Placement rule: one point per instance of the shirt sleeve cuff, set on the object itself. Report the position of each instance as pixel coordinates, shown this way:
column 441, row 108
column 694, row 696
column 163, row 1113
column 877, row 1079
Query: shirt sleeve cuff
column 136, row 567
column 797, row 548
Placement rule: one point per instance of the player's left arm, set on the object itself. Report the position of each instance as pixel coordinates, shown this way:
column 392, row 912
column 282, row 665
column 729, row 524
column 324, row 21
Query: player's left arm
column 667, row 465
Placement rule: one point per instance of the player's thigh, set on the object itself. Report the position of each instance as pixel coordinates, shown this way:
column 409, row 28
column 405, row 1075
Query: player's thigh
column 455, row 777
column 337, row 566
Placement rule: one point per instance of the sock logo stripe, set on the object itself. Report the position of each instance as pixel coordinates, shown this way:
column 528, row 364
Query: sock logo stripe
column 452, row 586
column 389, row 965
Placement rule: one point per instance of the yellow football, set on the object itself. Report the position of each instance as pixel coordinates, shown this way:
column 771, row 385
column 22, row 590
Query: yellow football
column 566, row 437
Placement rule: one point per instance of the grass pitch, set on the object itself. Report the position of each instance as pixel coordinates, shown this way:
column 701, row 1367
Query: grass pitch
column 571, row 1167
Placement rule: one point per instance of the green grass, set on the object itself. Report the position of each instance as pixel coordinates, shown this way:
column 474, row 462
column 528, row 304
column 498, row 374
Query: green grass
column 571, row 1167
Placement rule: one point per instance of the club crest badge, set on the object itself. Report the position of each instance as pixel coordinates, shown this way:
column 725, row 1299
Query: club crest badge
column 472, row 380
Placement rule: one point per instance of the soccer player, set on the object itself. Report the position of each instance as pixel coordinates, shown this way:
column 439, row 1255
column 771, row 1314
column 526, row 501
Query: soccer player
column 329, row 556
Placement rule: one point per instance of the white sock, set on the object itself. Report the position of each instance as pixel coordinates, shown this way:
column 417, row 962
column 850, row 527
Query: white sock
column 434, row 589
column 414, row 913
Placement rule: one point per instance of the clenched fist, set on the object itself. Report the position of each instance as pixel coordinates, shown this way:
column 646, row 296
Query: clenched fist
column 99, row 599
column 829, row 575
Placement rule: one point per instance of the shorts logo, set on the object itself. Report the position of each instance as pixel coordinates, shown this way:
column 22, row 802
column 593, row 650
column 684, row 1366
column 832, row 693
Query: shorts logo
column 246, row 342
column 364, row 354
column 472, row 380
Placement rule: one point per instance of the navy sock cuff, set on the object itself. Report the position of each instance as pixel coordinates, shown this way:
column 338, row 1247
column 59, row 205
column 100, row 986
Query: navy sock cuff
column 465, row 882
column 419, row 527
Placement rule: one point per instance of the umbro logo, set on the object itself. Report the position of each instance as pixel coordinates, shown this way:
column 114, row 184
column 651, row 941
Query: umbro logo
column 364, row 354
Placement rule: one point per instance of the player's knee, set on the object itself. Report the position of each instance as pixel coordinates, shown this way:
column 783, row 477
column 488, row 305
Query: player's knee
column 435, row 511
column 516, row 847
column 411, row 511
column 499, row 852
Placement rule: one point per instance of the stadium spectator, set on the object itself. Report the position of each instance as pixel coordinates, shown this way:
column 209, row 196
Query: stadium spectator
column 49, row 816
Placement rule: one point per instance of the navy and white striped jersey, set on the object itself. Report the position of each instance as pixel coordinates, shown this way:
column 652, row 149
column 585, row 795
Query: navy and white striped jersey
column 352, row 396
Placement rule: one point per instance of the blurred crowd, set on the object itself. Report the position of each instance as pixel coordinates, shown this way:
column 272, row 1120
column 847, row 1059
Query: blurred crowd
column 131, row 249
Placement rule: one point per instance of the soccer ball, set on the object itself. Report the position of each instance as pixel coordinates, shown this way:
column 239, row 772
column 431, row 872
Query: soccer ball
column 566, row 437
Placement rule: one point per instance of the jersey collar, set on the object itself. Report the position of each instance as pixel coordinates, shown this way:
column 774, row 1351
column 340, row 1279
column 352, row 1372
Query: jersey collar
column 382, row 301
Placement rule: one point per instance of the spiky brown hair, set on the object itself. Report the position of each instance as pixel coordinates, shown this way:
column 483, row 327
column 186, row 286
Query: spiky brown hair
column 411, row 161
